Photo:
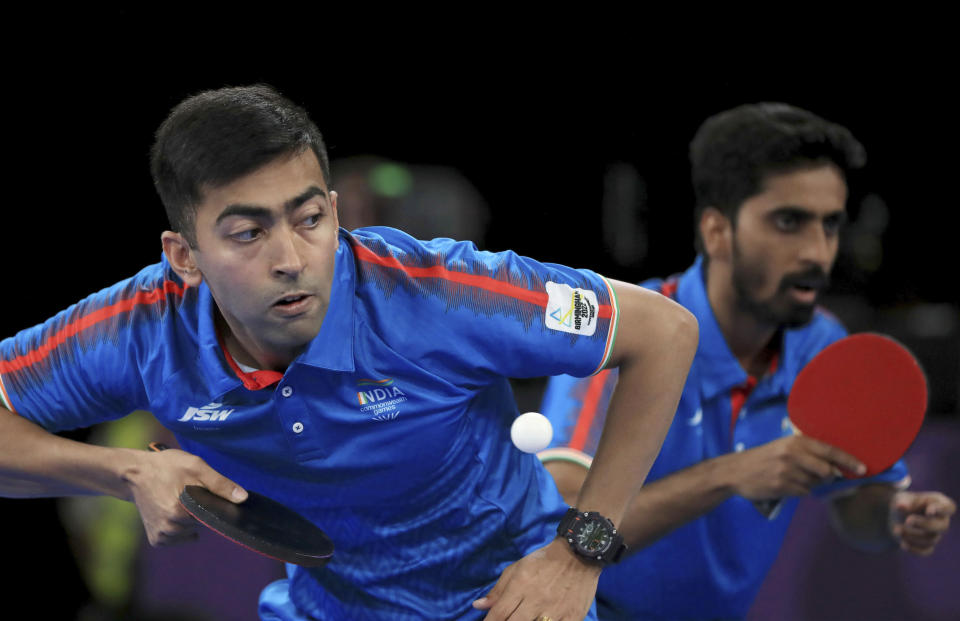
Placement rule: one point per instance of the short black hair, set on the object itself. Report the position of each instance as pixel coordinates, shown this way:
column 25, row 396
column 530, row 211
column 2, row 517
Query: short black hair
column 734, row 152
column 217, row 136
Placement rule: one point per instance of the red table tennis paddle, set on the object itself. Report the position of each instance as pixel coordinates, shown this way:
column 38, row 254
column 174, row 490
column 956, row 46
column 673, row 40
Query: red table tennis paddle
column 259, row 524
column 866, row 395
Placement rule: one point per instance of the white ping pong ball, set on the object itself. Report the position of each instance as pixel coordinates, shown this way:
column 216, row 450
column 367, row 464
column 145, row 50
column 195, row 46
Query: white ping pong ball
column 531, row 432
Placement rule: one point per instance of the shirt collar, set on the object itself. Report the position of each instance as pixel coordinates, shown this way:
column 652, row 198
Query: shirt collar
column 719, row 370
column 217, row 373
column 333, row 347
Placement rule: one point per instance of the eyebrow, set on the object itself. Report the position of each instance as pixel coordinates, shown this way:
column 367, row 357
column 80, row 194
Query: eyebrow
column 806, row 212
column 259, row 212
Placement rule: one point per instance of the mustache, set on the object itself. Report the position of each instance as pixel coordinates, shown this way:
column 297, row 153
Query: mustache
column 814, row 278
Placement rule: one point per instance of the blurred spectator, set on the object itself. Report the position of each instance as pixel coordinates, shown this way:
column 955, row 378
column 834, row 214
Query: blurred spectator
column 425, row 201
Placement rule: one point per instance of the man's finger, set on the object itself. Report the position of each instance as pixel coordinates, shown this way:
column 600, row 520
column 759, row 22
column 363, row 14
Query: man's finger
column 175, row 533
column 940, row 506
column 224, row 487
column 909, row 502
column 921, row 524
column 489, row 600
column 817, row 468
column 504, row 608
column 835, row 456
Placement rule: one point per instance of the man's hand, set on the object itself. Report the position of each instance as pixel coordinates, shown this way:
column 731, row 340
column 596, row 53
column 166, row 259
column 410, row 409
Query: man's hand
column 919, row 520
column 789, row 466
column 551, row 582
column 155, row 485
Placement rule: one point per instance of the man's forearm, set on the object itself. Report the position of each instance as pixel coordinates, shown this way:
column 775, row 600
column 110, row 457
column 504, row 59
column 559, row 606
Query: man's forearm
column 655, row 346
column 681, row 497
column 863, row 517
column 36, row 463
column 662, row 505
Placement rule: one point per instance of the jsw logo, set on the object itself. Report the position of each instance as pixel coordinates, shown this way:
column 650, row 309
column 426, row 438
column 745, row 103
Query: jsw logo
column 211, row 412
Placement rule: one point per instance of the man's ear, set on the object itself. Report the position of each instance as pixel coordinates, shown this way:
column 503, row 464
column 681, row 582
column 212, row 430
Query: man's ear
column 180, row 255
column 716, row 232
column 335, row 215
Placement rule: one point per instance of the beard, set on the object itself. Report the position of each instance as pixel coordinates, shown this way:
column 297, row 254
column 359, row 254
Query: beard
column 780, row 309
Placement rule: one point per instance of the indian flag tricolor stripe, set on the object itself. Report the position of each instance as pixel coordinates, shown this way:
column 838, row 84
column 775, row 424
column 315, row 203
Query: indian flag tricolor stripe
column 563, row 453
column 371, row 382
column 612, row 331
column 5, row 397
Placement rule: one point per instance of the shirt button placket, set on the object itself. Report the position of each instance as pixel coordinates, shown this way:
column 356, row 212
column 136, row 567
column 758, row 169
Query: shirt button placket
column 297, row 426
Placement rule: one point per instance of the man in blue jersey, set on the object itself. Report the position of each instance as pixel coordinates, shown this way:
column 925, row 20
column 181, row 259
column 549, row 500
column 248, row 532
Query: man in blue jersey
column 770, row 184
column 358, row 377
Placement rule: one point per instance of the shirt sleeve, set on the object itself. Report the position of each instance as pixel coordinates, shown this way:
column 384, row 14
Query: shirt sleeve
column 82, row 366
column 897, row 475
column 472, row 316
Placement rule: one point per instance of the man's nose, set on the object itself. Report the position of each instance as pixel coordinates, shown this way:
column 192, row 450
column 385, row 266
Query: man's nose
column 287, row 258
column 819, row 247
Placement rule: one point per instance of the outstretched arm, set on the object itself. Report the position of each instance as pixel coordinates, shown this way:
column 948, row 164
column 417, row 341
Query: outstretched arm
column 655, row 344
column 789, row 466
column 36, row 463
column 880, row 517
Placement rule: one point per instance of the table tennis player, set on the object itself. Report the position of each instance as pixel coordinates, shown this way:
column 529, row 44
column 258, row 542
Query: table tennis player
column 770, row 186
column 359, row 378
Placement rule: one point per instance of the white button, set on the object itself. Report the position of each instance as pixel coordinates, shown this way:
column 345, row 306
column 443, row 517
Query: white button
column 739, row 447
column 743, row 413
column 286, row 391
column 297, row 427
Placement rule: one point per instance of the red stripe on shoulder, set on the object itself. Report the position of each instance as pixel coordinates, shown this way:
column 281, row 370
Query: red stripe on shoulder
column 485, row 283
column 438, row 271
column 87, row 321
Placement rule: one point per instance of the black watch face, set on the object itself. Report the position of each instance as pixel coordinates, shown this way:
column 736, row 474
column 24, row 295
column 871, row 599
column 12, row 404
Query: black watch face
column 594, row 538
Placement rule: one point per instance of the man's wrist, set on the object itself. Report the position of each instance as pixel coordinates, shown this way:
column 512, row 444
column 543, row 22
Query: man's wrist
column 576, row 561
column 720, row 474
column 591, row 536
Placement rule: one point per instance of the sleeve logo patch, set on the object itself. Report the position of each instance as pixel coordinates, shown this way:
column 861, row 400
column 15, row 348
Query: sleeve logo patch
column 571, row 310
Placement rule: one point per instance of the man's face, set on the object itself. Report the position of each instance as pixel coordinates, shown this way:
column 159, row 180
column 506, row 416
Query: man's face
column 265, row 247
column 785, row 242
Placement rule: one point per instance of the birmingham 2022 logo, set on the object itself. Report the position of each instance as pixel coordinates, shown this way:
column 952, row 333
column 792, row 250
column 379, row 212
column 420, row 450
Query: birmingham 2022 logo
column 571, row 310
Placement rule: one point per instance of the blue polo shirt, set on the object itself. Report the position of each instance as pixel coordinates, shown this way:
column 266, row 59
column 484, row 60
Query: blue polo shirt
column 712, row 567
column 390, row 431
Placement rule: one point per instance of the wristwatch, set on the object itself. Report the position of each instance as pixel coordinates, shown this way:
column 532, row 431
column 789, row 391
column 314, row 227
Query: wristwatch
column 591, row 536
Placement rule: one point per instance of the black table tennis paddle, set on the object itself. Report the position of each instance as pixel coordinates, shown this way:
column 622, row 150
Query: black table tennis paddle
column 259, row 524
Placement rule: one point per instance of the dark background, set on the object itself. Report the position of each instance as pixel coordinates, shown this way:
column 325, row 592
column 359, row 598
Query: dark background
column 536, row 125
column 536, row 133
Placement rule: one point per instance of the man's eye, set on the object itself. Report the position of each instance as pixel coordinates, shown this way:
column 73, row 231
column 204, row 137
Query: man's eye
column 786, row 221
column 245, row 236
column 832, row 226
column 311, row 220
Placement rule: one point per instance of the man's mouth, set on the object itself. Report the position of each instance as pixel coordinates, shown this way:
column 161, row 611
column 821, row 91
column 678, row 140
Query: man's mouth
column 293, row 304
column 289, row 300
column 806, row 284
